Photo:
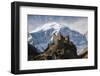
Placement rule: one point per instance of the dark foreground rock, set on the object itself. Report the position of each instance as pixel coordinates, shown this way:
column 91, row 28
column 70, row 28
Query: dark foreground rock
column 61, row 48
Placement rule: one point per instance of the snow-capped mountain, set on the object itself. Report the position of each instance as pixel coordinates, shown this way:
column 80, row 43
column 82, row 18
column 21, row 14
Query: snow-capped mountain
column 43, row 35
column 30, row 40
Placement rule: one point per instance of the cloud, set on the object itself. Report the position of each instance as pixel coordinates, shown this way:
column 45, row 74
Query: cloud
column 79, row 24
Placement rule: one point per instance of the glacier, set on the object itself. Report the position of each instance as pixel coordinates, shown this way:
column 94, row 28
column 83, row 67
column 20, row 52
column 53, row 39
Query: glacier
column 42, row 36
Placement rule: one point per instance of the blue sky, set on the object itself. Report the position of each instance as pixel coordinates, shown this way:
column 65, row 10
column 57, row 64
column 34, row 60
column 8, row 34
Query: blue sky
column 79, row 24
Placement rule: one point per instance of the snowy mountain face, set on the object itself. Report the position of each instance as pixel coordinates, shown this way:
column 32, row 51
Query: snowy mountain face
column 42, row 36
column 30, row 40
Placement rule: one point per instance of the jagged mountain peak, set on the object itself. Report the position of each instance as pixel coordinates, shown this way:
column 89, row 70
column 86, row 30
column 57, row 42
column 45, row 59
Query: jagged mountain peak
column 53, row 25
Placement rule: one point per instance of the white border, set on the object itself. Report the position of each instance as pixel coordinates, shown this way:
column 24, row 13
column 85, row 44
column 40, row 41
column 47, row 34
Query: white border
column 26, row 65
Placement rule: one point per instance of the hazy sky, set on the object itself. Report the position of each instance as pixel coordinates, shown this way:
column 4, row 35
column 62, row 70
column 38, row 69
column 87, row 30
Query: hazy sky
column 79, row 24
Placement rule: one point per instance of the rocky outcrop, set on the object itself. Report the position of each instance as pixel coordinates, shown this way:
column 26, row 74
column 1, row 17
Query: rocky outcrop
column 61, row 48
